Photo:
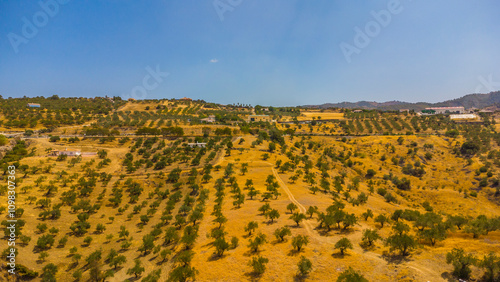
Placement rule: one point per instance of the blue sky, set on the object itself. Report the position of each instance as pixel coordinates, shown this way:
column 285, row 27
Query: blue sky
column 281, row 52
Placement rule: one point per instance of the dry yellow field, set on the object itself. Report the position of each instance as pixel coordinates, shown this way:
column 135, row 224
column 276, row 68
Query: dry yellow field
column 440, row 186
column 308, row 115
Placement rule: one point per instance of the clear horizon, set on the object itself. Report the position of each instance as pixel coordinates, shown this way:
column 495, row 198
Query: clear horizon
column 284, row 53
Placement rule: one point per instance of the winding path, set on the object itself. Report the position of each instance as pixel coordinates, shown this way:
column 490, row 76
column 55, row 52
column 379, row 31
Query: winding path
column 307, row 222
column 331, row 240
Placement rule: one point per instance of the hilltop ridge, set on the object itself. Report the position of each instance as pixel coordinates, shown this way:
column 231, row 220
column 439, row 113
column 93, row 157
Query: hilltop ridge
column 468, row 101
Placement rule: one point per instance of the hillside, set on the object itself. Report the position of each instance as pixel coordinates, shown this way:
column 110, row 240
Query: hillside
column 478, row 101
column 159, row 195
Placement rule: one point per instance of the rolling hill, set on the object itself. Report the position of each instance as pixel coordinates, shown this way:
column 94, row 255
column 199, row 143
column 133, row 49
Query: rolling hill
column 468, row 101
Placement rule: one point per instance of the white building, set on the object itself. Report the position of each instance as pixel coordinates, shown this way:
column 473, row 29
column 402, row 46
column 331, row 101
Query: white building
column 198, row 145
column 66, row 153
column 210, row 119
column 444, row 110
column 464, row 116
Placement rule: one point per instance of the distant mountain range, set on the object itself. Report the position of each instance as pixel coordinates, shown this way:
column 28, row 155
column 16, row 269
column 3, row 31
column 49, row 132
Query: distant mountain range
column 479, row 101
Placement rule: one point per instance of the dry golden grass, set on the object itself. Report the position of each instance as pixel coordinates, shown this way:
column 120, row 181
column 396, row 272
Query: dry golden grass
column 425, row 264
column 445, row 175
column 135, row 106
column 308, row 115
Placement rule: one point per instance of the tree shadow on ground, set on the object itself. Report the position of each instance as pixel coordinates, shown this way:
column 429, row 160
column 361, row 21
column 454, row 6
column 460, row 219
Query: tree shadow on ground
column 448, row 277
column 294, row 252
column 300, row 278
column 131, row 279
column 338, row 255
column 162, row 262
column 253, row 276
column 395, row 258
column 208, row 244
column 71, row 266
column 344, row 231
column 215, row 257
column 251, row 253
column 323, row 232
column 366, row 247
column 278, row 241
column 246, row 236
